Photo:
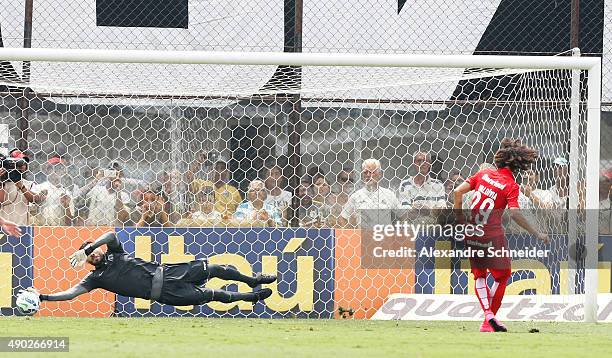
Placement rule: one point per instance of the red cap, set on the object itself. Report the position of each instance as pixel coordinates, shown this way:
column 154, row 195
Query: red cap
column 607, row 173
column 17, row 154
column 56, row 160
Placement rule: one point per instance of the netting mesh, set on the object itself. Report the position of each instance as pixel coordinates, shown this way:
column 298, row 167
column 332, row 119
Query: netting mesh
column 216, row 161
column 435, row 27
column 233, row 81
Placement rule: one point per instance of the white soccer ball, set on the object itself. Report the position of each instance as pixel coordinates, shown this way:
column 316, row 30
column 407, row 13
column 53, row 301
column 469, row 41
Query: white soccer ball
column 28, row 302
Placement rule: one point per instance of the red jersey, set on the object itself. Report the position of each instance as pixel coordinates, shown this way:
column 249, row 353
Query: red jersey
column 493, row 191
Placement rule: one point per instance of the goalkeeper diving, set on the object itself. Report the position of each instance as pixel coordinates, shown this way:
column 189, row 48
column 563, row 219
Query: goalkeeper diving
column 172, row 284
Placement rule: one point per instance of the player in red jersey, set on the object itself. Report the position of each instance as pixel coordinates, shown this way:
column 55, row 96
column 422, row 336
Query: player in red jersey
column 494, row 190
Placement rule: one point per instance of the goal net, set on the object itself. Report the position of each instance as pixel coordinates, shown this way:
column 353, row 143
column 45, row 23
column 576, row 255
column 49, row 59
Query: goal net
column 260, row 161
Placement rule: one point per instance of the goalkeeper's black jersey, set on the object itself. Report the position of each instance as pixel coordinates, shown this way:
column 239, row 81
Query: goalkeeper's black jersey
column 121, row 274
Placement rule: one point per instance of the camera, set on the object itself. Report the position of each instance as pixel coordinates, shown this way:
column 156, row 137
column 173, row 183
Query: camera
column 10, row 166
column 109, row 173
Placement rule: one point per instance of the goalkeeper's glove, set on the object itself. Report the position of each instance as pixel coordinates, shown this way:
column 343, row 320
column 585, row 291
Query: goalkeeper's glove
column 30, row 289
column 78, row 259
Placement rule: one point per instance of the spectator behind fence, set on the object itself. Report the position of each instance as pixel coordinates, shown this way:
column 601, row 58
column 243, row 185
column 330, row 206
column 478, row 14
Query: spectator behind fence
column 309, row 212
column 449, row 186
column 227, row 198
column 557, row 196
column 81, row 209
column 175, row 191
column 99, row 177
column 205, row 200
column 555, row 199
column 150, row 210
column 304, row 197
column 106, row 203
column 325, row 208
column 99, row 184
column 453, row 181
column 57, row 208
column 531, row 190
column 345, row 185
column 527, row 207
column 255, row 210
column 203, row 213
column 16, row 191
column 455, row 176
column 203, row 166
column 373, row 203
column 422, row 191
column 277, row 197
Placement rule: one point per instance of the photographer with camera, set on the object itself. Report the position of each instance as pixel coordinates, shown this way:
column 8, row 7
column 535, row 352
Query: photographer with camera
column 16, row 192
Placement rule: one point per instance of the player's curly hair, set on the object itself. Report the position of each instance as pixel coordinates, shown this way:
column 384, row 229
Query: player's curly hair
column 514, row 155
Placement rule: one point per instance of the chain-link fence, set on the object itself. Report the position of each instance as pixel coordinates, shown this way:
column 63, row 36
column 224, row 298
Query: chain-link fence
column 185, row 146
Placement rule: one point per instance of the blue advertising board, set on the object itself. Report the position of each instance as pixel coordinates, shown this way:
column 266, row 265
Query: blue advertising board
column 15, row 256
column 302, row 258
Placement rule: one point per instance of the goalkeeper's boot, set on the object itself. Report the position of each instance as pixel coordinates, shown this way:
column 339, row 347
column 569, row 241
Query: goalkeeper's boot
column 263, row 278
column 263, row 294
column 486, row 327
column 497, row 325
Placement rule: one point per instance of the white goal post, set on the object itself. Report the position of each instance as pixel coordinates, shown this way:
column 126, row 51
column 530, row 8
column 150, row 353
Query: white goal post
column 591, row 66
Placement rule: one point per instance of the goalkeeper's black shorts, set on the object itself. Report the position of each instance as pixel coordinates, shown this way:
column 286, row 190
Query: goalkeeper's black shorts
column 182, row 284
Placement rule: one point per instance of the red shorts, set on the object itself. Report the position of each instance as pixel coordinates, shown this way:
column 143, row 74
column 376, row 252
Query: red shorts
column 488, row 254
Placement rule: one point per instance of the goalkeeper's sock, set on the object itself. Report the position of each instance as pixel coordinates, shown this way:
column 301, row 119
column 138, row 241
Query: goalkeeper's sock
column 230, row 274
column 229, row 297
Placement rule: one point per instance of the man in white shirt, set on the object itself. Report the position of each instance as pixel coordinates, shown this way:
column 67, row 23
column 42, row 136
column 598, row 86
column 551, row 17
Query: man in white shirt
column 554, row 200
column 422, row 192
column 371, row 203
column 106, row 207
column 557, row 196
column 531, row 188
column 56, row 209
column 277, row 197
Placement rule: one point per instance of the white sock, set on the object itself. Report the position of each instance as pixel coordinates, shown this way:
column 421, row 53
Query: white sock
column 493, row 289
column 481, row 293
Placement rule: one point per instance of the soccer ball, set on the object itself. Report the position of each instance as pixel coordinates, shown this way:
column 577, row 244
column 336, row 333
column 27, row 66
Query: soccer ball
column 28, row 302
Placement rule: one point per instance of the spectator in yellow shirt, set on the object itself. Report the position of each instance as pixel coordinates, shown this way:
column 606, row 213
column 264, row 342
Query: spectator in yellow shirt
column 227, row 198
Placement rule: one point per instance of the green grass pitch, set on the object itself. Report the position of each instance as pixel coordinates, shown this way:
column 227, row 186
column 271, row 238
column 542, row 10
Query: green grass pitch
column 201, row 337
